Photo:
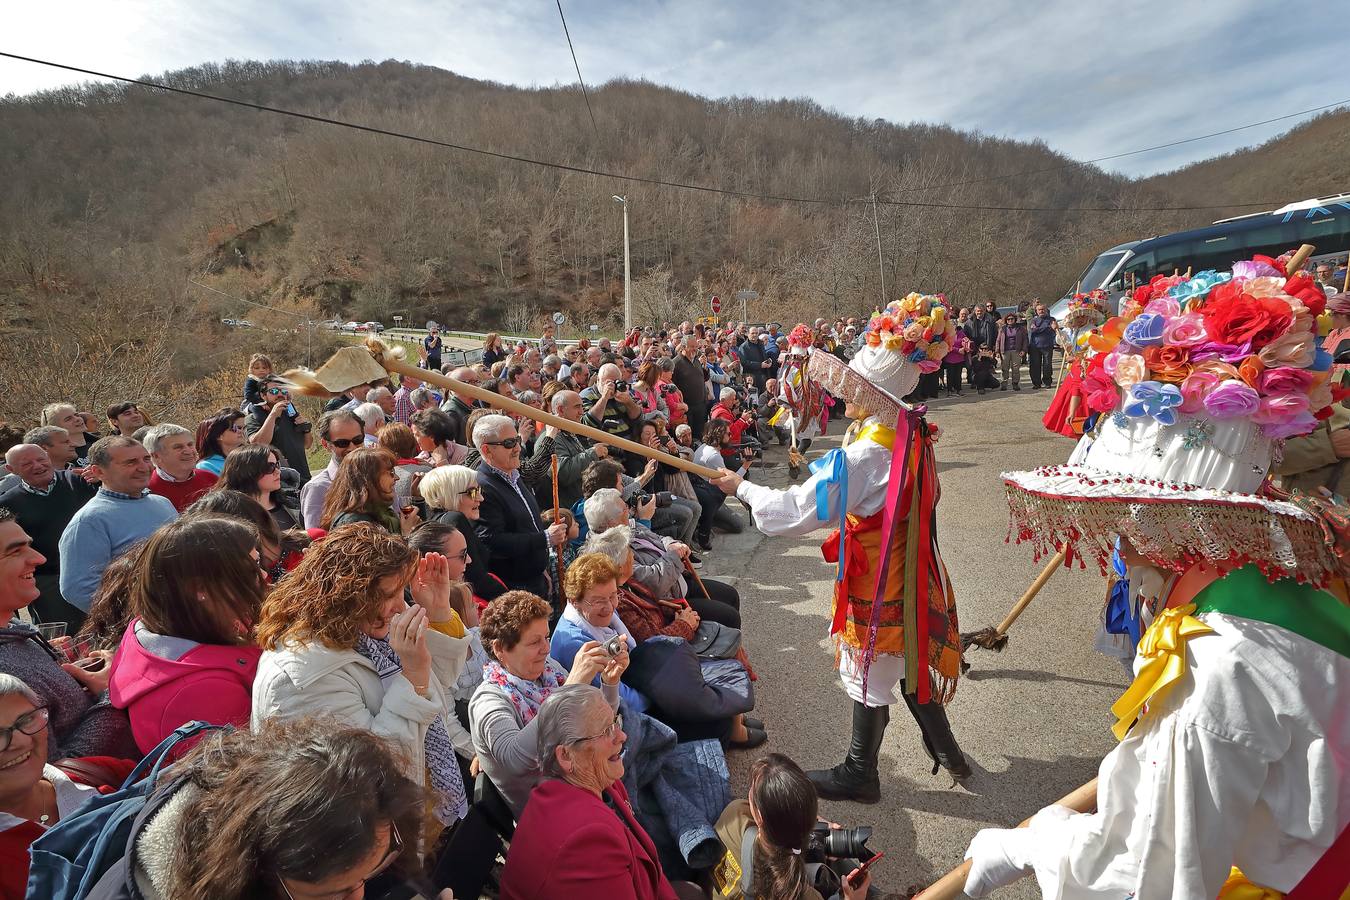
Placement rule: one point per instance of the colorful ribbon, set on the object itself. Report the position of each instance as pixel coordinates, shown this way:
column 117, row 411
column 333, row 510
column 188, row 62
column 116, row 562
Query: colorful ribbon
column 1163, row 651
column 833, row 469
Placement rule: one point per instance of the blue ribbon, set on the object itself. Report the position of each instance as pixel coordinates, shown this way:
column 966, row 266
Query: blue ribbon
column 833, row 469
column 1121, row 616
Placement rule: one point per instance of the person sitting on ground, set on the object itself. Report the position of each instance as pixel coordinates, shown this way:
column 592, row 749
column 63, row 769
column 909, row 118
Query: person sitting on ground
column 64, row 415
column 340, row 432
column 363, row 491
column 35, row 794
column 291, row 810
column 279, row 552
column 578, row 836
column 259, row 370
column 659, row 563
column 435, row 434
column 43, row 502
column 339, row 639
column 125, row 418
column 453, row 497
column 217, row 435
column 82, row 721
column 782, row 809
column 173, row 450
column 509, row 525
column 255, row 470
column 120, row 514
column 518, row 678
column 188, row 654
column 399, row 440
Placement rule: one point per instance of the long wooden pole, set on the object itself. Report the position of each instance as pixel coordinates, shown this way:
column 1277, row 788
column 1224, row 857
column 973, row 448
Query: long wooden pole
column 1298, row 259
column 952, row 885
column 515, row 406
column 1030, row 594
column 557, row 517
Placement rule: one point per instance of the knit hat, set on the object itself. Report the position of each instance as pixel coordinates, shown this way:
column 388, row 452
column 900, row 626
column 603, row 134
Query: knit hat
column 1196, row 384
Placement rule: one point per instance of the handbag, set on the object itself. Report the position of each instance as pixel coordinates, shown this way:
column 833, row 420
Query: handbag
column 713, row 640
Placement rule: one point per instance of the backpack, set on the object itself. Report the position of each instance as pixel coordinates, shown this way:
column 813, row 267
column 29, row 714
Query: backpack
column 71, row 857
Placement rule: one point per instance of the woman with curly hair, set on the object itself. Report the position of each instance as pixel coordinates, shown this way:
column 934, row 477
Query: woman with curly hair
column 517, row 681
column 255, row 470
column 216, row 436
column 292, row 809
column 363, row 491
column 338, row 639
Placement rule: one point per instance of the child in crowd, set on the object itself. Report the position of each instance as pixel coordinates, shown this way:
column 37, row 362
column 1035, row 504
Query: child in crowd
column 259, row 368
column 983, row 369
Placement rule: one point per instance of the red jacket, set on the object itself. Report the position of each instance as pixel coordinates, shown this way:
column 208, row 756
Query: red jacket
column 570, row 846
column 735, row 424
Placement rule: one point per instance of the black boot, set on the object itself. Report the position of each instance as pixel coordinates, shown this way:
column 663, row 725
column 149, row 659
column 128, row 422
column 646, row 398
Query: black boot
column 856, row 778
column 938, row 739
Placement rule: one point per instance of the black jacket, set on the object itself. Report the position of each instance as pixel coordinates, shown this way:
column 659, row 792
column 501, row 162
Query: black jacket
column 516, row 543
column 689, row 377
column 459, row 417
column 983, row 332
column 485, row 586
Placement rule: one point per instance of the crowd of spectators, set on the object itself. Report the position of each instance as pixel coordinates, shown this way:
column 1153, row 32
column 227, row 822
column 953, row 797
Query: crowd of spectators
column 399, row 628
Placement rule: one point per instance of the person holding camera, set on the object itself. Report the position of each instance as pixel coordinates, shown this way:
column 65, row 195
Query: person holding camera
column 609, row 404
column 776, row 847
column 276, row 421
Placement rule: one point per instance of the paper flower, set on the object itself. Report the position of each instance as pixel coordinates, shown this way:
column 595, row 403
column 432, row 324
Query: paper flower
column 1229, row 353
column 1286, row 380
column 1251, row 268
column 1292, row 349
column 1250, row 369
column 1146, row 330
column 1232, row 400
column 1100, row 390
column 1257, row 321
column 1186, row 330
column 1153, row 399
column 1129, row 370
column 1168, row 363
column 1195, row 389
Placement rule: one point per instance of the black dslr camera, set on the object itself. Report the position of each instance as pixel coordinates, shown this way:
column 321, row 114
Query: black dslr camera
column 825, row 843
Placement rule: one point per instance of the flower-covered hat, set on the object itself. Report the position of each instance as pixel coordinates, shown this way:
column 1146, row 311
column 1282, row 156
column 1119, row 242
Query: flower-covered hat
column 1086, row 310
column 1196, row 383
column 800, row 340
column 906, row 339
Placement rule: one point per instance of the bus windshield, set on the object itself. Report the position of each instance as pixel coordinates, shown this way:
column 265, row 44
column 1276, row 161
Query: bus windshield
column 1097, row 273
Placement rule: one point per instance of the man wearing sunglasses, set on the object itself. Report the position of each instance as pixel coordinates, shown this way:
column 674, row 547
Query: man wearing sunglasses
column 276, row 421
column 508, row 520
column 340, row 431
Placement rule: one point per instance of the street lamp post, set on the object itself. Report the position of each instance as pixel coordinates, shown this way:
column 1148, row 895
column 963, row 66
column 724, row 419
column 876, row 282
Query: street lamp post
column 627, row 272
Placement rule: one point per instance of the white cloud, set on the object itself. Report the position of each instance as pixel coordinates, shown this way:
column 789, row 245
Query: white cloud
column 1089, row 79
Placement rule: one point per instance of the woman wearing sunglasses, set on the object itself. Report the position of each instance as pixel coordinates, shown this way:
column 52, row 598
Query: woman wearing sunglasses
column 255, row 470
column 301, row 810
column 35, row 795
column 216, row 436
column 453, row 497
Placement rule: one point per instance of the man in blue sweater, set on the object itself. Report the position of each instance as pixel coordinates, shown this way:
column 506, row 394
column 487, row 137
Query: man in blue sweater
column 120, row 514
column 1041, row 353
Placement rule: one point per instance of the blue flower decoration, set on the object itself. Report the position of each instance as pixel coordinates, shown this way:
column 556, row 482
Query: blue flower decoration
column 1145, row 331
column 1321, row 361
column 918, row 356
column 1155, row 399
column 1199, row 286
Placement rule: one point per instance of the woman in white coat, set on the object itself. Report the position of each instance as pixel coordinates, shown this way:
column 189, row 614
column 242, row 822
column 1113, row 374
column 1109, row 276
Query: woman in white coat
column 339, row 640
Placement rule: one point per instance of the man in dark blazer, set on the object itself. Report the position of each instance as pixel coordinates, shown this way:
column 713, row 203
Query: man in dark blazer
column 508, row 520
column 691, row 378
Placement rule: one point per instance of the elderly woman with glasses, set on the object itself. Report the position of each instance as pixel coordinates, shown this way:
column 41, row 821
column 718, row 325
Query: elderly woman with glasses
column 591, row 614
column 34, row 794
column 578, row 836
column 517, row 680
column 453, row 497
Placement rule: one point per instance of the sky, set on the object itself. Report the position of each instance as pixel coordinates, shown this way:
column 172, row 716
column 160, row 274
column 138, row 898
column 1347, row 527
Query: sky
column 1090, row 79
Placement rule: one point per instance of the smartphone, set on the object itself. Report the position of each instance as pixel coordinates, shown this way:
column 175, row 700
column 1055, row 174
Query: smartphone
column 614, row 645
column 857, row 879
column 290, row 409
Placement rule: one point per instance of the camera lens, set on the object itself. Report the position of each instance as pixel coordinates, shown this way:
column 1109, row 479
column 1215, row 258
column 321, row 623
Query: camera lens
column 848, row 842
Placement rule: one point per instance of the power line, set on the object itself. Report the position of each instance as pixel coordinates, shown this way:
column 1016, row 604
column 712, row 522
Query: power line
column 1085, row 162
column 584, row 93
column 636, row 179
column 289, row 312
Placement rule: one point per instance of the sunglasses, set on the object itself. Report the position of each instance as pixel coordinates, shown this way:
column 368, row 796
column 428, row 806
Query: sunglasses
column 275, row 391
column 344, row 443
column 474, row 493
column 510, row 443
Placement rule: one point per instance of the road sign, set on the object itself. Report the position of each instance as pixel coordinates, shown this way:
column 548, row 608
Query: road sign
column 747, row 295
column 398, row 318
column 716, row 304
column 559, row 318
column 595, row 328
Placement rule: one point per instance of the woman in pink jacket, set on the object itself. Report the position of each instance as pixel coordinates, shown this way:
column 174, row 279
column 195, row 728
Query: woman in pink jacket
column 188, row 652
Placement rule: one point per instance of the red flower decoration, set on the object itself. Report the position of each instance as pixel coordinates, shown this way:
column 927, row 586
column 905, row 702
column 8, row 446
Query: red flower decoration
column 1302, row 286
column 1258, row 320
column 1276, row 264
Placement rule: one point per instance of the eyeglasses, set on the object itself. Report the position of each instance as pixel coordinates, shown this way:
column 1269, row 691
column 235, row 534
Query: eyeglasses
column 270, row 468
column 474, row 493
column 344, row 443
column 607, row 600
column 395, row 849
column 462, row 556
column 608, row 734
column 30, row 723
column 510, row 443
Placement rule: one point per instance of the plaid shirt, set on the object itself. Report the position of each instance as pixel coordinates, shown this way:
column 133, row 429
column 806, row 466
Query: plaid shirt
column 403, row 408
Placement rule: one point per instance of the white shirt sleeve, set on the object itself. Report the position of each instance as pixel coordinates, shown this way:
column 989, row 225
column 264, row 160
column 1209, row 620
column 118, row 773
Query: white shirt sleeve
column 793, row 511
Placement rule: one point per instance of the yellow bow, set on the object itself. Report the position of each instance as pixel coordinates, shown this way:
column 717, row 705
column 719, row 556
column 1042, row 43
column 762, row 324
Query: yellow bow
column 1163, row 649
column 1237, row 887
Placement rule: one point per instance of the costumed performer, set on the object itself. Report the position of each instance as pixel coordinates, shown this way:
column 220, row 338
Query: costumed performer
column 803, row 409
column 1068, row 412
column 893, row 616
column 1232, row 778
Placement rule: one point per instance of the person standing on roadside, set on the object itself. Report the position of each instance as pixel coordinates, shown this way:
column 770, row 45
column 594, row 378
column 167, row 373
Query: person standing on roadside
column 1041, row 352
column 1011, row 346
column 431, row 349
column 982, row 329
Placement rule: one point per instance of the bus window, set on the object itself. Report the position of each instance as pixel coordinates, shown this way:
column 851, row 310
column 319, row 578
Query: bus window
column 1141, row 267
column 1217, row 253
column 1097, row 273
column 1175, row 256
column 1271, row 240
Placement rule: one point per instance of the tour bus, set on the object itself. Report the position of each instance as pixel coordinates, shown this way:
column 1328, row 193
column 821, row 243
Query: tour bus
column 1322, row 222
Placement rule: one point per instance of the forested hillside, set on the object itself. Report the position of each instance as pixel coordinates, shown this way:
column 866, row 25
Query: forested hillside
column 115, row 198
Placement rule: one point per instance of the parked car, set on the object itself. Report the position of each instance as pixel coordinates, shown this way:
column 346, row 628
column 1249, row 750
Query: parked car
column 375, row 327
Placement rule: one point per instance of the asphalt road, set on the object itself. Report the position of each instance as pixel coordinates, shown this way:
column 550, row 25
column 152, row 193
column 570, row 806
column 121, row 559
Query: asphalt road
column 1034, row 721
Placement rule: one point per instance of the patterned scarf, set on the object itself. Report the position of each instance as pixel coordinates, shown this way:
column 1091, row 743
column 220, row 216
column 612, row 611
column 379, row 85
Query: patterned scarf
column 526, row 696
column 451, row 802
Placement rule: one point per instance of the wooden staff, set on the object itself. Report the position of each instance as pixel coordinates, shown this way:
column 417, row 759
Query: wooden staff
column 1298, row 259
column 491, row 398
column 688, row 567
column 997, row 638
column 952, row 885
column 1345, row 288
column 557, row 518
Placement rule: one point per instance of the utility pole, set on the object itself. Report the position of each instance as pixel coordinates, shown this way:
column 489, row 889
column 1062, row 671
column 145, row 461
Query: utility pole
column 627, row 271
column 881, row 263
